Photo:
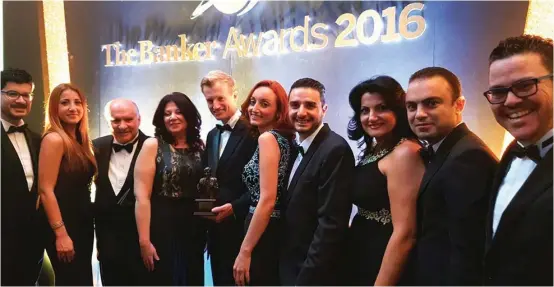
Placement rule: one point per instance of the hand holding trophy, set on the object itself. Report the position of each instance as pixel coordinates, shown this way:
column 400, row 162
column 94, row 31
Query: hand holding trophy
column 207, row 192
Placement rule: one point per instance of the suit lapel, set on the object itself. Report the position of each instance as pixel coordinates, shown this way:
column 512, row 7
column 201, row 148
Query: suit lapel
column 442, row 154
column 237, row 135
column 213, row 155
column 104, row 162
column 306, row 159
column 32, row 150
column 537, row 182
column 503, row 167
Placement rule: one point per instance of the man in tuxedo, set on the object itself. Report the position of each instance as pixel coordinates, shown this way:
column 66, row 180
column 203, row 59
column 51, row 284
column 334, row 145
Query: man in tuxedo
column 229, row 146
column 519, row 227
column 318, row 202
column 453, row 196
column 116, row 230
column 22, row 244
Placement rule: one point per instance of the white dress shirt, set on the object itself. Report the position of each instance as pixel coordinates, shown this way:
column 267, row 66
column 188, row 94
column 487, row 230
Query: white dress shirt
column 20, row 145
column 224, row 138
column 120, row 162
column 305, row 144
column 517, row 174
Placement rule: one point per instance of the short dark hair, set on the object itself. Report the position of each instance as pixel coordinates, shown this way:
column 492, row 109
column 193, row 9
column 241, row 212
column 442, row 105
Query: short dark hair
column 310, row 83
column 393, row 95
column 17, row 76
column 449, row 77
column 189, row 112
column 524, row 44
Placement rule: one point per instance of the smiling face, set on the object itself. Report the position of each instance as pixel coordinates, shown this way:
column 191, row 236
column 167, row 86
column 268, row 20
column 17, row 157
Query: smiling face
column 530, row 118
column 306, row 111
column 432, row 112
column 16, row 108
column 377, row 119
column 221, row 100
column 174, row 120
column 262, row 108
column 70, row 107
column 124, row 120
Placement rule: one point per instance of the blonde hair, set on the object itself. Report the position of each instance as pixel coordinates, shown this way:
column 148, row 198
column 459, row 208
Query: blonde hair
column 218, row 76
column 77, row 151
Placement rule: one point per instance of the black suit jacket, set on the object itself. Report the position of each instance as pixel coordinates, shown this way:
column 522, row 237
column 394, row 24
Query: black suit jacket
column 452, row 208
column 22, row 243
column 317, row 210
column 520, row 253
column 228, row 169
column 114, row 215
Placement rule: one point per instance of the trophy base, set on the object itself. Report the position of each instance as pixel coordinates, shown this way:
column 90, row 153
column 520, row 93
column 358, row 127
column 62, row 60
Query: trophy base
column 204, row 207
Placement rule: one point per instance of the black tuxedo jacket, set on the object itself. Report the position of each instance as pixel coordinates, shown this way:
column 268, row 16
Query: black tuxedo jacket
column 317, row 210
column 114, row 215
column 520, row 253
column 22, row 243
column 228, row 169
column 451, row 210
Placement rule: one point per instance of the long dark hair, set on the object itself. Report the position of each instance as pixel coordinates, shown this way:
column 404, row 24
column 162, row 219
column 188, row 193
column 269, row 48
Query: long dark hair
column 189, row 112
column 394, row 97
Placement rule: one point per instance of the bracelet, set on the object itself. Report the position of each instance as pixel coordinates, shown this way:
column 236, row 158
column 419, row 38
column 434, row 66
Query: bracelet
column 57, row 225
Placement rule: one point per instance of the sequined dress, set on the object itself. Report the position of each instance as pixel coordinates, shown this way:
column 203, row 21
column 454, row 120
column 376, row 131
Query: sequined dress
column 264, row 267
column 173, row 226
column 371, row 228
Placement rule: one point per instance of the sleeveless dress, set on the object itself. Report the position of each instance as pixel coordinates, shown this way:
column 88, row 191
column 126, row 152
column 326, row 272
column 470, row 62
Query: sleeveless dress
column 264, row 267
column 173, row 226
column 371, row 228
column 73, row 192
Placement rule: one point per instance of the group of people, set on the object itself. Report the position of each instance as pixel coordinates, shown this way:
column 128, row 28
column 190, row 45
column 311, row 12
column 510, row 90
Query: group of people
column 434, row 205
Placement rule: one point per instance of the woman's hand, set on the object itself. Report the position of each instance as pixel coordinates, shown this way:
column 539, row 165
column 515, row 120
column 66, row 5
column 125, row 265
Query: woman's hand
column 148, row 254
column 241, row 269
column 64, row 248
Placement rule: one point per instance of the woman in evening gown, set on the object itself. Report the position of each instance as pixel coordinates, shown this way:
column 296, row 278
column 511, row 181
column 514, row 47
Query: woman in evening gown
column 167, row 172
column 265, row 175
column 386, row 185
column 66, row 169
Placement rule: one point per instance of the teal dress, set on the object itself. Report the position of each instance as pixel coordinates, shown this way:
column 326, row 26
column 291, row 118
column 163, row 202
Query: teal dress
column 264, row 267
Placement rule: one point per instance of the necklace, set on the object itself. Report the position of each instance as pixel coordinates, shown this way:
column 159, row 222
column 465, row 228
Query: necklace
column 372, row 157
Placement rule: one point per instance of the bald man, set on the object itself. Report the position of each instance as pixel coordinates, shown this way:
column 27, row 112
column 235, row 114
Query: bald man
column 116, row 231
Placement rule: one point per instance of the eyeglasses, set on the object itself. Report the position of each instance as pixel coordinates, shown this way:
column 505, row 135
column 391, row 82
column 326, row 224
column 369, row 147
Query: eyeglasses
column 14, row 95
column 521, row 89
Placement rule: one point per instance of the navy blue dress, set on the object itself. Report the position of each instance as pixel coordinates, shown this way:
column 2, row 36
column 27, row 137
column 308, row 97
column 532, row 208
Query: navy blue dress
column 264, row 267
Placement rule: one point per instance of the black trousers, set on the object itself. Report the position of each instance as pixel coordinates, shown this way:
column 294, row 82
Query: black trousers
column 224, row 240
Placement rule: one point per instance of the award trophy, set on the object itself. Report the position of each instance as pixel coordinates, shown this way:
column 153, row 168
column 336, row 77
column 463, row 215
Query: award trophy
column 207, row 191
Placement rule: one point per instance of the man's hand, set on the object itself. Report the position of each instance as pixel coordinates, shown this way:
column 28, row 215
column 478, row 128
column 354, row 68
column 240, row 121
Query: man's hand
column 223, row 212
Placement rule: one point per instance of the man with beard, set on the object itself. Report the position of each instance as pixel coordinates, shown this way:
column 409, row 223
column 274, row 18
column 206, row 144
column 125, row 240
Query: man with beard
column 317, row 203
column 22, row 248
column 519, row 229
column 453, row 194
column 116, row 230
column 229, row 147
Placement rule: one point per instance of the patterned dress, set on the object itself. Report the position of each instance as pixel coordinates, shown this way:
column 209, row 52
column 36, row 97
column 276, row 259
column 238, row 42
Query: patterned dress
column 264, row 267
column 371, row 228
column 173, row 227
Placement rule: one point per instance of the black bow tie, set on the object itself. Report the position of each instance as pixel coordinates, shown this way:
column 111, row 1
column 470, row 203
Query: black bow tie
column 299, row 149
column 19, row 129
column 225, row 127
column 119, row 147
column 531, row 152
column 427, row 152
